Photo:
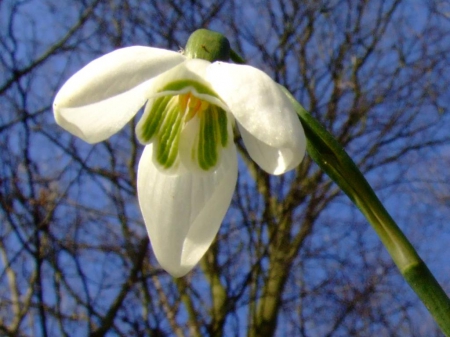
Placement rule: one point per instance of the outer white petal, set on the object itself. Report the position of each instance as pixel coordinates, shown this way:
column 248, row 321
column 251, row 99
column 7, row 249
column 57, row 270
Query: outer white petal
column 271, row 130
column 103, row 96
column 183, row 213
column 271, row 159
column 193, row 70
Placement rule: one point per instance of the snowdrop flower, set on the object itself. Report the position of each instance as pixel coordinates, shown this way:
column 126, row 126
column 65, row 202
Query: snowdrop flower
column 188, row 169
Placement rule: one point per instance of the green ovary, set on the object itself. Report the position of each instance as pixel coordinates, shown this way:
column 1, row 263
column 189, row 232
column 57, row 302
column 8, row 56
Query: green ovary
column 170, row 114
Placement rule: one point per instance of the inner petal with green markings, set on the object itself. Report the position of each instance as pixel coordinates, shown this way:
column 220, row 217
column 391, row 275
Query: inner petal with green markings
column 164, row 121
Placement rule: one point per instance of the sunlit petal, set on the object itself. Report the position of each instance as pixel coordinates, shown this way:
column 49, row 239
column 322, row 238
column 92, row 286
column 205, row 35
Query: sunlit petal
column 271, row 159
column 183, row 212
column 186, row 77
column 103, row 96
column 271, row 130
column 257, row 103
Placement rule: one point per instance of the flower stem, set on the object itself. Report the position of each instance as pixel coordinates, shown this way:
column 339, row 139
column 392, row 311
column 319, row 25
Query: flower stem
column 236, row 58
column 332, row 158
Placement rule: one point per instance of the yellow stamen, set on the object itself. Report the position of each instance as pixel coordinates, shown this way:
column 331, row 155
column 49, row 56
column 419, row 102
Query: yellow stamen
column 183, row 101
column 194, row 103
column 204, row 106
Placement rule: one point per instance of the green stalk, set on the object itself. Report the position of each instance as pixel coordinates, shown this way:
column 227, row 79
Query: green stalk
column 332, row 158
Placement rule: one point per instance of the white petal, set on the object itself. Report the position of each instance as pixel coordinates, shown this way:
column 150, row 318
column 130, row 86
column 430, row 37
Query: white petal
column 187, row 148
column 193, row 70
column 271, row 130
column 271, row 159
column 183, row 212
column 103, row 96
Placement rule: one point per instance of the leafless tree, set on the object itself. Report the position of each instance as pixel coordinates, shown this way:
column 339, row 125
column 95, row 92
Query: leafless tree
column 293, row 256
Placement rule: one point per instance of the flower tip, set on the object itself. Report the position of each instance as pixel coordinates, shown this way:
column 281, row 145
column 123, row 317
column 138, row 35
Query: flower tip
column 172, row 262
column 177, row 272
column 288, row 159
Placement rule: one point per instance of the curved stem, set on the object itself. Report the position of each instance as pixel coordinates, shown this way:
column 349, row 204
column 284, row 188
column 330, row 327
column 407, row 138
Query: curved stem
column 332, row 158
